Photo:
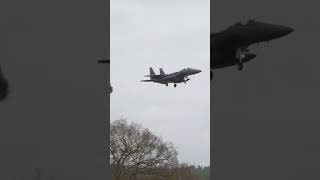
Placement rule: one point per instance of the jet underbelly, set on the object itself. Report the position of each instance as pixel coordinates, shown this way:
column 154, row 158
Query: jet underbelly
column 220, row 59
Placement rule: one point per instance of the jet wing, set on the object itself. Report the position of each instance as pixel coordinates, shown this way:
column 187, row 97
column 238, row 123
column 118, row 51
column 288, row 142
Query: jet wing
column 227, row 40
column 169, row 78
column 174, row 77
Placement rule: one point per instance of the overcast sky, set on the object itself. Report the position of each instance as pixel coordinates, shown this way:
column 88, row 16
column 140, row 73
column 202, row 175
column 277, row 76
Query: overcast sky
column 171, row 35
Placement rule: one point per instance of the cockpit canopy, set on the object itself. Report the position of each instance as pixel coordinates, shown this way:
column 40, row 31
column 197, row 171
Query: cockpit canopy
column 248, row 23
column 251, row 22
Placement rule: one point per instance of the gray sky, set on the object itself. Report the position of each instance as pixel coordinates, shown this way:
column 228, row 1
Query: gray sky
column 171, row 35
column 267, row 117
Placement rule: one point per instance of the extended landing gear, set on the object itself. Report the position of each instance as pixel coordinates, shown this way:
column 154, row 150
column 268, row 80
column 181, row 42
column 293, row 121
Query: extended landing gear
column 186, row 79
column 240, row 55
column 240, row 66
column 175, row 85
column 167, row 84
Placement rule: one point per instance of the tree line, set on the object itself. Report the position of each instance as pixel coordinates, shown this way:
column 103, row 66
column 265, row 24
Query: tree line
column 138, row 154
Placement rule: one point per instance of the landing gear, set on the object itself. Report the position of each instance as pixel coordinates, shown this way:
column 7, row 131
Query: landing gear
column 175, row 85
column 186, row 79
column 240, row 55
column 240, row 66
column 167, row 84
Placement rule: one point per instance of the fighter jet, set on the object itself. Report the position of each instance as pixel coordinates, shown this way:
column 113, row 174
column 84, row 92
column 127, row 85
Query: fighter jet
column 176, row 77
column 230, row 47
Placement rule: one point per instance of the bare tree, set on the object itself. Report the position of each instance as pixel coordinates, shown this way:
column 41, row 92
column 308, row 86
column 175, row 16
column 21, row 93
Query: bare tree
column 136, row 152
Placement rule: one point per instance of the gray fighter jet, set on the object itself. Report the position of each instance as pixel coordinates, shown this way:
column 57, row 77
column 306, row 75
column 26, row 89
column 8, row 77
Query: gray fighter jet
column 230, row 47
column 176, row 77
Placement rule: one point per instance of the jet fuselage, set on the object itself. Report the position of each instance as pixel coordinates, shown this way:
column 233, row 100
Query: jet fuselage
column 224, row 45
column 176, row 77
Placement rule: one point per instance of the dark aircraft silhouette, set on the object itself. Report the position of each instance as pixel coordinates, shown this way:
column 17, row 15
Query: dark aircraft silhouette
column 3, row 86
column 106, row 61
column 230, row 47
column 176, row 77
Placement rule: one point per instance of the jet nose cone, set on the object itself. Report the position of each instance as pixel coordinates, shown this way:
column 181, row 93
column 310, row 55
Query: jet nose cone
column 280, row 31
column 196, row 71
column 193, row 71
column 287, row 30
column 266, row 32
column 290, row 30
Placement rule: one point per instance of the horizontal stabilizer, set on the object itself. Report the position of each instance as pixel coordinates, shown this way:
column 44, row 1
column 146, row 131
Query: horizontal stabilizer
column 146, row 80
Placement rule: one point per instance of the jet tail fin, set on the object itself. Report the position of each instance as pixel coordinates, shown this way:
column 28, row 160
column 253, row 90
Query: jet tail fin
column 151, row 71
column 161, row 71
